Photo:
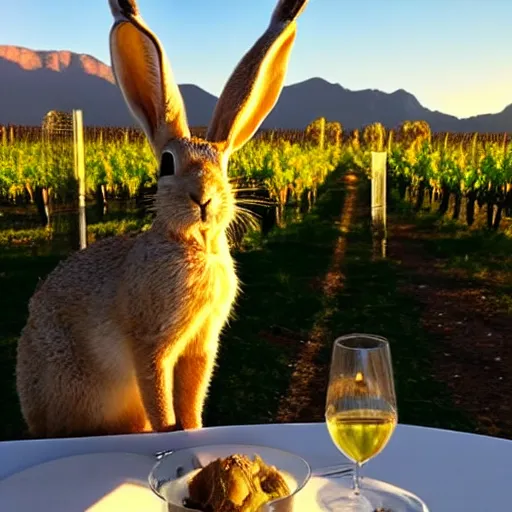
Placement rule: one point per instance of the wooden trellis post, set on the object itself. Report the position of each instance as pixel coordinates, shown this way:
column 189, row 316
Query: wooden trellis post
column 79, row 157
column 379, row 161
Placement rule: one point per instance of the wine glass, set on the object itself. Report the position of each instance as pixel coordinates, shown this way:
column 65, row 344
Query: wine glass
column 361, row 412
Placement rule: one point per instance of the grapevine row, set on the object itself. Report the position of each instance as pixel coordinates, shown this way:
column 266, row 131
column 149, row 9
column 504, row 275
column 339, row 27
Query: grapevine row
column 454, row 172
column 41, row 171
column 450, row 172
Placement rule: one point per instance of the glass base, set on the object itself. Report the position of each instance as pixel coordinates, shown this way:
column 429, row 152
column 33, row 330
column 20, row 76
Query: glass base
column 335, row 494
column 342, row 499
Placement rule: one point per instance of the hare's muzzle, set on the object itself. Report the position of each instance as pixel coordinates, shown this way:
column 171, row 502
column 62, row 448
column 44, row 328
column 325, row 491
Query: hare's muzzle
column 203, row 206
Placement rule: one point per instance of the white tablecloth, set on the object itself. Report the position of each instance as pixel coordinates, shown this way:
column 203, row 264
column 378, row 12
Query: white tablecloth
column 451, row 471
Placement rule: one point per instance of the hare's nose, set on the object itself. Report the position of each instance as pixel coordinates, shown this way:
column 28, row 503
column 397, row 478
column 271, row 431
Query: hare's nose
column 202, row 205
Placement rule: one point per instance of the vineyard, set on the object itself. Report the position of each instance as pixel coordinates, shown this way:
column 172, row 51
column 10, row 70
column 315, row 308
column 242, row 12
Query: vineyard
column 288, row 166
column 441, row 294
column 452, row 174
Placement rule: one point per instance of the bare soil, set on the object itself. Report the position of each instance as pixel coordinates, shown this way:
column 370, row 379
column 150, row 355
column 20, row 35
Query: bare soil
column 473, row 328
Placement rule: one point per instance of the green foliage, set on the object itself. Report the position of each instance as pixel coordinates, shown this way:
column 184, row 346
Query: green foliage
column 123, row 167
column 374, row 136
column 479, row 168
column 282, row 165
column 321, row 130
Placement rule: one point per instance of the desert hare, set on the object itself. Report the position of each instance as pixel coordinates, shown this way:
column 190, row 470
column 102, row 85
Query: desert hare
column 122, row 337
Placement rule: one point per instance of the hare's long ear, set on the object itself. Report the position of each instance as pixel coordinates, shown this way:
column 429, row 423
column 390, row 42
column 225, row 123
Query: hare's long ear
column 256, row 83
column 145, row 77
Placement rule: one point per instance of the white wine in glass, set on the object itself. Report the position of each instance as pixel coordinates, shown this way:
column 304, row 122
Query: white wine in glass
column 361, row 411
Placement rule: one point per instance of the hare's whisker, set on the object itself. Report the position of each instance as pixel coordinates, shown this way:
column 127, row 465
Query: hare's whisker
column 256, row 203
column 248, row 220
column 248, row 189
column 250, row 213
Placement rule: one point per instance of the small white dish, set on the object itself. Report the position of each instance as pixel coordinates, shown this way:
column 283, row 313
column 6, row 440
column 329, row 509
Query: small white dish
column 169, row 477
column 95, row 482
column 325, row 494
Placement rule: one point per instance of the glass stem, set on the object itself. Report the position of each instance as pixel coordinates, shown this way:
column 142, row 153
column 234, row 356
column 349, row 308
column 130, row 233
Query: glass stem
column 357, row 471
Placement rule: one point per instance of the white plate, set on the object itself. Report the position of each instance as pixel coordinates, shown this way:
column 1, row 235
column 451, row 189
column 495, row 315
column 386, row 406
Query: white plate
column 111, row 482
column 170, row 476
column 101, row 482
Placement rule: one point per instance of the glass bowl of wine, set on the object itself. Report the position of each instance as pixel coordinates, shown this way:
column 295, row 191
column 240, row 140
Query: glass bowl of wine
column 361, row 411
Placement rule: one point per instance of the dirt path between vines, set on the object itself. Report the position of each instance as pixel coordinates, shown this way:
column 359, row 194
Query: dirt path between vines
column 466, row 318
column 474, row 331
column 301, row 401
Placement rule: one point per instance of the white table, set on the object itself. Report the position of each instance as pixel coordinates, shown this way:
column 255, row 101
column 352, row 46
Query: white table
column 451, row 471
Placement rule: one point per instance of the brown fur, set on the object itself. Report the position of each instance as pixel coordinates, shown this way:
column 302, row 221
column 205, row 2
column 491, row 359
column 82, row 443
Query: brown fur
column 122, row 337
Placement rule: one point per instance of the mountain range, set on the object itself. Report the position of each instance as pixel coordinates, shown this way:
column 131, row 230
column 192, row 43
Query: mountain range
column 34, row 82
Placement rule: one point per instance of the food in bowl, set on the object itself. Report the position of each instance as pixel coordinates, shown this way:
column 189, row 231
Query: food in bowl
column 235, row 484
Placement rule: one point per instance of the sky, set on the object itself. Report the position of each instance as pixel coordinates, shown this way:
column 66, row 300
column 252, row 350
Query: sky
column 453, row 55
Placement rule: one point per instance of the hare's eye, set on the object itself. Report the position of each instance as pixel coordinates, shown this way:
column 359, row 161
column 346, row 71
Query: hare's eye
column 167, row 164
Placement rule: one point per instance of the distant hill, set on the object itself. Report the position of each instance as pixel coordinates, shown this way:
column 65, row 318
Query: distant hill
column 34, row 82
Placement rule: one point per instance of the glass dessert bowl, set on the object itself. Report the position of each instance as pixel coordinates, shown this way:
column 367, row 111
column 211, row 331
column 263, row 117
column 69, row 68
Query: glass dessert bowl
column 247, row 478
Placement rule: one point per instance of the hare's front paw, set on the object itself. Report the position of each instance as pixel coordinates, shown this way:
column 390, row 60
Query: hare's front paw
column 169, row 428
column 186, row 425
column 191, row 424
